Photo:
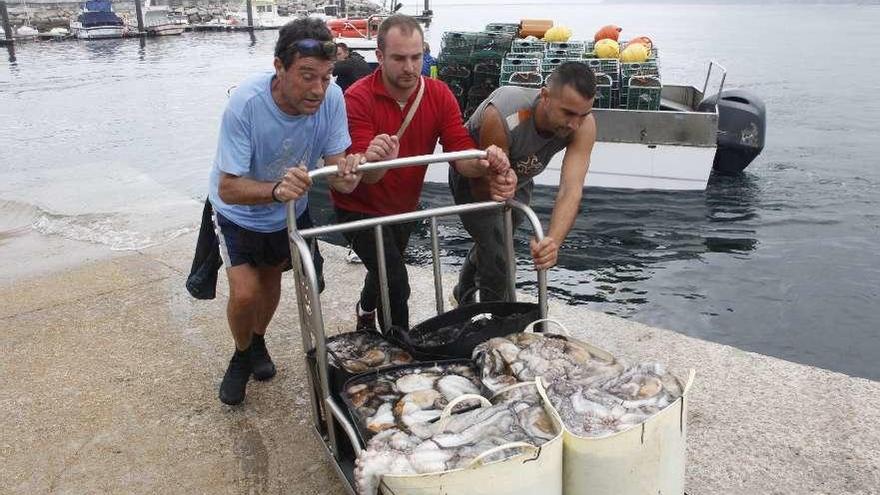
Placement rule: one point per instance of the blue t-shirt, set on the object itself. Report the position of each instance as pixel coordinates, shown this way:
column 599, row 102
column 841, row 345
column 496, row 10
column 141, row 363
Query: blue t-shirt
column 259, row 141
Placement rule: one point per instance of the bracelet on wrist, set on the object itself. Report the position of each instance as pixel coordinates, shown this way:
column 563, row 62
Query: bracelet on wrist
column 275, row 188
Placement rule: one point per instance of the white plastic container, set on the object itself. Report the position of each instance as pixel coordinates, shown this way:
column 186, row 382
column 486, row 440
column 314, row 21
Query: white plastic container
column 535, row 470
column 647, row 459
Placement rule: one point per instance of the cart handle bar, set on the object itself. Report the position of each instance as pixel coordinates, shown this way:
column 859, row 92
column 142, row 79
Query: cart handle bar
column 403, row 162
column 413, row 216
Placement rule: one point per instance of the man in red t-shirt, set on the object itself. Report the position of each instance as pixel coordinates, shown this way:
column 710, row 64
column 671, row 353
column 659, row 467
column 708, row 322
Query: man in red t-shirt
column 376, row 107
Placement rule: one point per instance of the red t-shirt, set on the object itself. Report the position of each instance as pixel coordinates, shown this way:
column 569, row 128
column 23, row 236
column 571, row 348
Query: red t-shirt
column 372, row 111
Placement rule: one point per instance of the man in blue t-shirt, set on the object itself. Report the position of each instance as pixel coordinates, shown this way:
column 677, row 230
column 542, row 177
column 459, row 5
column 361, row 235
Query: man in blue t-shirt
column 276, row 126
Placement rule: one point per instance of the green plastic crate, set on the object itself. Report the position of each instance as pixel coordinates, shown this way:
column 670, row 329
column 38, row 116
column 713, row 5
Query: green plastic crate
column 524, row 79
column 574, row 48
column 631, row 70
column 610, row 66
column 503, row 27
column 527, row 46
column 643, row 93
column 604, row 92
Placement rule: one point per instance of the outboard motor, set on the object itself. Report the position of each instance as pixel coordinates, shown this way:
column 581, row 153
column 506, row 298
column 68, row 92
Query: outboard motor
column 741, row 129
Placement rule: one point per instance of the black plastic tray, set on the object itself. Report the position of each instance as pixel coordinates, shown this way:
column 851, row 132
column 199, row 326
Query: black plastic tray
column 506, row 318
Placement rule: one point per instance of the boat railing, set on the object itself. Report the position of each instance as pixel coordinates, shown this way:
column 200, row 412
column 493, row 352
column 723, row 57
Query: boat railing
column 720, row 67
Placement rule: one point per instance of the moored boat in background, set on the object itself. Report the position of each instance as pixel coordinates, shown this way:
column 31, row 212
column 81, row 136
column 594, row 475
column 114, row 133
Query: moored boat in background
column 157, row 21
column 97, row 21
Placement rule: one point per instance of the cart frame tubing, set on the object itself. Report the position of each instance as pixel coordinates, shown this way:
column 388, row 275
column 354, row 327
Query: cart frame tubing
column 308, row 298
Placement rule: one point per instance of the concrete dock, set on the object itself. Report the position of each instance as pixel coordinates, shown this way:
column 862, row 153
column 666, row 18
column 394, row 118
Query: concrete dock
column 110, row 373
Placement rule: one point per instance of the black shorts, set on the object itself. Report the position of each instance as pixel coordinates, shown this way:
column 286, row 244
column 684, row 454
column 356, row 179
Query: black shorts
column 239, row 245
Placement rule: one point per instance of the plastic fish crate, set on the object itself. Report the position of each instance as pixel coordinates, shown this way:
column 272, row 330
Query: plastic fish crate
column 486, row 72
column 524, row 79
column 631, row 70
column 527, row 46
column 561, row 54
column 453, row 72
column 643, row 93
column 604, row 91
column 520, row 64
column 524, row 56
column 457, row 43
column 493, row 41
column 511, row 28
column 568, row 46
column 639, row 69
column 449, row 58
column 610, row 66
column 548, row 65
column 479, row 56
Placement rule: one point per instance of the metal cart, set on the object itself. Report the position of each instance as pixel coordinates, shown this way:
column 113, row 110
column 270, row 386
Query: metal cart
column 331, row 422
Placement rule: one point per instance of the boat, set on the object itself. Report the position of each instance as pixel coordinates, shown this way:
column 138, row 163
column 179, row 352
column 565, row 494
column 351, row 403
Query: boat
column 26, row 32
column 359, row 33
column 265, row 15
column 56, row 34
column 325, row 12
column 675, row 142
column 158, row 22
column 97, row 21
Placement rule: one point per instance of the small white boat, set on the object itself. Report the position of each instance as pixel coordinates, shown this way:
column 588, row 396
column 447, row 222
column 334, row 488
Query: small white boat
column 265, row 15
column 157, row 21
column 97, row 21
column 25, row 32
column 325, row 12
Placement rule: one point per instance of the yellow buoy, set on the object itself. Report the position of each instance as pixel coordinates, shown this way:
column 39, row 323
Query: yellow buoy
column 557, row 34
column 606, row 48
column 634, row 53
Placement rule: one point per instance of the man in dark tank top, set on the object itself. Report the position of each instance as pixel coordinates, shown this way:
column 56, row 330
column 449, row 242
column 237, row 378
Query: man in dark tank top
column 531, row 126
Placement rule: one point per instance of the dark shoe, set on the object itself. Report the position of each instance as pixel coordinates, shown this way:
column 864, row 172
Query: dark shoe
column 235, row 380
column 365, row 322
column 264, row 368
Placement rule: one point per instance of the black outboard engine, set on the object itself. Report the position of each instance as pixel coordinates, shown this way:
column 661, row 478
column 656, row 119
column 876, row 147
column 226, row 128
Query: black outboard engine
column 741, row 129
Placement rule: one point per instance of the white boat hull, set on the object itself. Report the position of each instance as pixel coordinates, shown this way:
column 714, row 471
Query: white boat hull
column 628, row 166
column 637, row 166
column 638, row 149
column 101, row 32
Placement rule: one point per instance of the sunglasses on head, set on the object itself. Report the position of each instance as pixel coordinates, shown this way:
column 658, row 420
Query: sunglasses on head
column 311, row 47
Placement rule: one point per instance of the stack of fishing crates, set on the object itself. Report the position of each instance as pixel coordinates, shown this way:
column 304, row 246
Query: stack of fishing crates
column 453, row 65
column 607, row 71
column 470, row 63
column 530, row 63
column 522, row 69
column 486, row 59
column 640, row 85
column 522, row 65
